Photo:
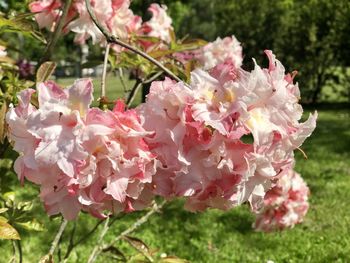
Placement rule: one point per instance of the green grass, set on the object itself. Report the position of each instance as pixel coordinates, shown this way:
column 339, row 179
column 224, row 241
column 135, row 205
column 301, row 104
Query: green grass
column 216, row 236
column 114, row 89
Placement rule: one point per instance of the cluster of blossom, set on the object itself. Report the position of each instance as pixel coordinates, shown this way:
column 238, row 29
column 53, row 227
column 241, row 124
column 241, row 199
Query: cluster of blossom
column 201, row 134
column 219, row 142
column 83, row 158
column 220, row 51
column 115, row 15
column 285, row 204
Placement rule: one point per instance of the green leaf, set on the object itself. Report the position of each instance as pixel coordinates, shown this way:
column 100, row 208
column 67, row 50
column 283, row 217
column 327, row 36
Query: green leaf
column 115, row 252
column 3, row 219
column 22, row 25
column 8, row 232
column 25, row 206
column 137, row 243
column 31, row 226
column 3, row 210
column 45, row 71
column 9, row 196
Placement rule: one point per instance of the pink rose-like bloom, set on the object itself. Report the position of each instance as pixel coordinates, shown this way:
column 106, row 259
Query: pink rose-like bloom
column 223, row 140
column 82, row 158
column 160, row 24
column 285, row 205
column 220, row 51
column 47, row 12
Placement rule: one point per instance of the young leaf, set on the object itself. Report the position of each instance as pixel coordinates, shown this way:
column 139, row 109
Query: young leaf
column 8, row 232
column 116, row 253
column 31, row 226
column 3, row 210
column 139, row 245
column 45, row 71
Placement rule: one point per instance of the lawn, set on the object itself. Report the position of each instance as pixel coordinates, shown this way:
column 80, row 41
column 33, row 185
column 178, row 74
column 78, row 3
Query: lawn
column 216, row 236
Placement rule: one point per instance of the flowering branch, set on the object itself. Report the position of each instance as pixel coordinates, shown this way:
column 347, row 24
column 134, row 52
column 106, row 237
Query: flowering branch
column 57, row 32
column 113, row 39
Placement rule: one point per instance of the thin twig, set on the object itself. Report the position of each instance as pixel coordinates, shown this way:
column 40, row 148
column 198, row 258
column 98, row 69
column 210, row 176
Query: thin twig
column 94, row 254
column 58, row 237
column 57, row 33
column 104, row 72
column 121, row 77
column 113, row 39
column 138, row 85
column 14, row 249
column 71, row 244
column 138, row 223
column 133, row 92
column 20, row 253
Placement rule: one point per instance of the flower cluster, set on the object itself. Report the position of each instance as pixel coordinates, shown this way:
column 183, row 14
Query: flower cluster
column 115, row 15
column 83, row 158
column 220, row 51
column 223, row 140
column 285, row 204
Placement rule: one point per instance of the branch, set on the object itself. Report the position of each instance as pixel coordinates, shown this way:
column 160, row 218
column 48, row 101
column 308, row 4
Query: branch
column 58, row 237
column 138, row 223
column 113, row 39
column 57, row 33
column 20, row 253
column 138, row 85
column 94, row 253
column 133, row 92
column 104, row 73
column 121, row 77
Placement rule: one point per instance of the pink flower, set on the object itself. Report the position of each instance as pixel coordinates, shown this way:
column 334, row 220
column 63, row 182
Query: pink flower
column 47, row 12
column 285, row 205
column 200, row 134
column 220, row 51
column 123, row 21
column 160, row 24
column 84, row 27
column 83, row 158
